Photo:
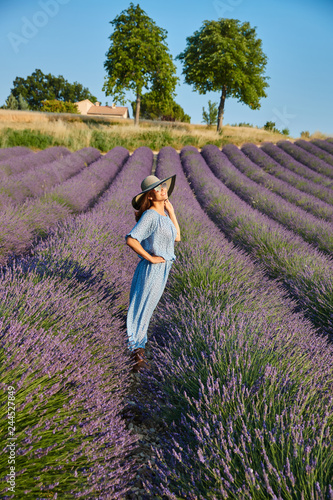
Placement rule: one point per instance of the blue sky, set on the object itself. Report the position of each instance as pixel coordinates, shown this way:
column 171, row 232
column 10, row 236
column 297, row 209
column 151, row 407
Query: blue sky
column 70, row 38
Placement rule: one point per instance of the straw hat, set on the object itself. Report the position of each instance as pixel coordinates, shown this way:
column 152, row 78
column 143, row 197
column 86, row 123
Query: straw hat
column 152, row 182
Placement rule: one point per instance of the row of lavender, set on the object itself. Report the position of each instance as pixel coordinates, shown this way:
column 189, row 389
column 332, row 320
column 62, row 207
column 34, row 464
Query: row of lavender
column 19, row 159
column 244, row 384
column 6, row 153
column 21, row 225
column 326, row 145
column 229, row 164
column 64, row 350
column 40, row 176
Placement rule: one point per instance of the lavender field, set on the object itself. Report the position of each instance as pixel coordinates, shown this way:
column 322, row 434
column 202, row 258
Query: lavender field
column 242, row 376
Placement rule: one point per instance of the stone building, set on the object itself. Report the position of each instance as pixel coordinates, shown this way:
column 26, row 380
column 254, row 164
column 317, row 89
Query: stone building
column 86, row 107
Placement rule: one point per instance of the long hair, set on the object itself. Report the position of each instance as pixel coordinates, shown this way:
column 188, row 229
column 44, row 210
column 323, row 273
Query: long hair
column 145, row 204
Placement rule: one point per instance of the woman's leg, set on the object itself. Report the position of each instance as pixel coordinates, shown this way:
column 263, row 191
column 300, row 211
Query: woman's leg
column 148, row 284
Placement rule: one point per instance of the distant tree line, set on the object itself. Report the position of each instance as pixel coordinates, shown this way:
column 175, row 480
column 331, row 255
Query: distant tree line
column 39, row 87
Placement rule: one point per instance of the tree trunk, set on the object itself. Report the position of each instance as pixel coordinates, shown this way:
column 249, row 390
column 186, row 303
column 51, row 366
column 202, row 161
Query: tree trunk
column 137, row 111
column 221, row 108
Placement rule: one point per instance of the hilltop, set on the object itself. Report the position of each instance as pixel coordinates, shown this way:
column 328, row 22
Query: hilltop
column 39, row 130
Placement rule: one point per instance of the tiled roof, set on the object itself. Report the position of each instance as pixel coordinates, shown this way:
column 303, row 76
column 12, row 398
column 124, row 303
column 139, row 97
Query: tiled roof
column 107, row 110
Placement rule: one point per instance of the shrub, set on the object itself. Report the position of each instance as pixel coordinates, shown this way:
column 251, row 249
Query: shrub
column 29, row 138
column 55, row 106
column 269, row 126
column 243, row 124
column 99, row 140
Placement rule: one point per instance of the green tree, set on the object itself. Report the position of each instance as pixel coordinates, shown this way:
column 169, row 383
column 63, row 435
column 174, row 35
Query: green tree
column 22, row 103
column 11, row 103
column 38, row 87
column 152, row 108
column 210, row 116
column 138, row 59
column 225, row 56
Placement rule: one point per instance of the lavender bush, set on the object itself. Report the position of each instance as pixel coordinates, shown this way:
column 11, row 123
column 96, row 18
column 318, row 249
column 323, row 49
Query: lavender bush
column 82, row 190
column 315, row 150
column 236, row 373
column 14, row 165
column 68, row 399
column 72, row 292
column 306, row 158
column 305, row 272
column 284, row 161
column 20, row 226
column 227, row 166
column 39, row 180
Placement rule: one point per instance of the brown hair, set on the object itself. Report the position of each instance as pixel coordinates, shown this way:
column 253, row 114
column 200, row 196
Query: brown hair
column 144, row 205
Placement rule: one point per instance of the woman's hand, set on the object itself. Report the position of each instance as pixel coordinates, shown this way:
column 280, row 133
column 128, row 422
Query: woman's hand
column 137, row 247
column 168, row 206
column 155, row 259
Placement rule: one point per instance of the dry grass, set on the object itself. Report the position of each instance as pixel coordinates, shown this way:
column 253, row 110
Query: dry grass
column 239, row 135
column 75, row 131
column 317, row 135
column 10, row 118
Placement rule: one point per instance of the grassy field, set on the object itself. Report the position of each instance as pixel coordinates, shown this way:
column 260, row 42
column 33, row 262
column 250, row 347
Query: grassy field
column 40, row 130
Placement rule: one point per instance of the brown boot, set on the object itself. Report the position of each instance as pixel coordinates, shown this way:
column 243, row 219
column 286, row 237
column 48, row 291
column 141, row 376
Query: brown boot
column 140, row 360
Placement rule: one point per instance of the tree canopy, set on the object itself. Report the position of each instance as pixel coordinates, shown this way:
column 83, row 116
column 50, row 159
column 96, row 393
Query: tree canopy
column 226, row 56
column 38, row 87
column 138, row 59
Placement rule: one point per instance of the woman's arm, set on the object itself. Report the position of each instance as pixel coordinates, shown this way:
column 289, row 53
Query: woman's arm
column 138, row 248
column 173, row 217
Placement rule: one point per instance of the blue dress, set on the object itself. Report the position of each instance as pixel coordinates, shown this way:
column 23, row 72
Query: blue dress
column 157, row 234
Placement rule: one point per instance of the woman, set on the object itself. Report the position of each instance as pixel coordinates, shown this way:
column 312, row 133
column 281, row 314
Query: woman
column 152, row 238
